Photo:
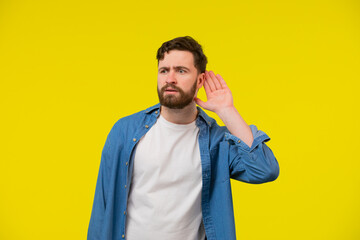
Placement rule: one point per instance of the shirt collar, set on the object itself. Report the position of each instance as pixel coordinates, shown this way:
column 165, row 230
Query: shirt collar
column 208, row 120
column 151, row 109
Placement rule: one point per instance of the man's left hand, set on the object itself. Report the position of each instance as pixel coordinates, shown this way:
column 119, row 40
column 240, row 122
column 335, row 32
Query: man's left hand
column 220, row 101
column 218, row 94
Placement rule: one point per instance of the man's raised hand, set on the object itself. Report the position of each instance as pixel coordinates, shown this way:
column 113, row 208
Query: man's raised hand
column 218, row 94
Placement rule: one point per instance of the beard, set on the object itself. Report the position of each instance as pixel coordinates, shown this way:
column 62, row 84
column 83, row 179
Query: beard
column 176, row 102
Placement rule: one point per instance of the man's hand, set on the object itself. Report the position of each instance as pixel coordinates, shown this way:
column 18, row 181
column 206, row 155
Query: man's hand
column 218, row 94
column 220, row 101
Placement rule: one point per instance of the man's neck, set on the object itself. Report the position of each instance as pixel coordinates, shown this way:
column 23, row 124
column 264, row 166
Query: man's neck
column 180, row 116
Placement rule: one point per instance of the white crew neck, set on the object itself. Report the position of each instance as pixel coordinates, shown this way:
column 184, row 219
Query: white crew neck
column 167, row 123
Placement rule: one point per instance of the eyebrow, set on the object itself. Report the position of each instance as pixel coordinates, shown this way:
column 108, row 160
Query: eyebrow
column 175, row 67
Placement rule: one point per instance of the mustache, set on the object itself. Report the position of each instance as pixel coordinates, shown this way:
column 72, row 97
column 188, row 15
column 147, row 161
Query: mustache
column 169, row 85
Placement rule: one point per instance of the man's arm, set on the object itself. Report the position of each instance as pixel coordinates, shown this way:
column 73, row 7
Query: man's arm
column 249, row 158
column 220, row 101
column 99, row 204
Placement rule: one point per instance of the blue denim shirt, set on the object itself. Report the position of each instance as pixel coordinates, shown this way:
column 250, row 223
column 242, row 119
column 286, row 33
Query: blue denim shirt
column 223, row 156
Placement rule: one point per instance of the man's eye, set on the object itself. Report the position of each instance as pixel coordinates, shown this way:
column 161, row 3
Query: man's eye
column 181, row 71
column 163, row 71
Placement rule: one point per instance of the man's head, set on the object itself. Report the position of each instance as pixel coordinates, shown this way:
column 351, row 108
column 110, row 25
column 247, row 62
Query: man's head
column 186, row 43
column 181, row 70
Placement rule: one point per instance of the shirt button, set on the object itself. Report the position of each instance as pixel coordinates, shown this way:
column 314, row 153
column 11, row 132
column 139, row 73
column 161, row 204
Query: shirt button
column 156, row 112
column 123, row 236
column 134, row 139
column 126, row 163
column 146, row 126
column 124, row 212
column 125, row 186
column 239, row 141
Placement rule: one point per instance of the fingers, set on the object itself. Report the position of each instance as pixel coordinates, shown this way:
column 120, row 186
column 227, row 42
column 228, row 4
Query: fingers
column 214, row 82
column 207, row 88
column 222, row 81
column 210, row 81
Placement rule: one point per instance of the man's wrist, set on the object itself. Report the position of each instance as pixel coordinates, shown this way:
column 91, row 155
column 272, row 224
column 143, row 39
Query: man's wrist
column 226, row 111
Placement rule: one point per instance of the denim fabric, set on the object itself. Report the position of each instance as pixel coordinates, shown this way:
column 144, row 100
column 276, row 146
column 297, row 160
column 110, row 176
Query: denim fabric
column 223, row 156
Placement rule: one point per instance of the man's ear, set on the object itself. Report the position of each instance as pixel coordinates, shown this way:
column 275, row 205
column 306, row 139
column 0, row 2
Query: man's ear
column 201, row 80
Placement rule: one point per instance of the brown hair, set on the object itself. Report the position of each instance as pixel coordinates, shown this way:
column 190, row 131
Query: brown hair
column 186, row 43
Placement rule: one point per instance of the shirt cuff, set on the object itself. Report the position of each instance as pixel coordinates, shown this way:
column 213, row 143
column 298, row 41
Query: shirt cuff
column 259, row 137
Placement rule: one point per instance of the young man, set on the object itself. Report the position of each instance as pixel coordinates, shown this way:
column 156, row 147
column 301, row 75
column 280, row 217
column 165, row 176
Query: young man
column 165, row 171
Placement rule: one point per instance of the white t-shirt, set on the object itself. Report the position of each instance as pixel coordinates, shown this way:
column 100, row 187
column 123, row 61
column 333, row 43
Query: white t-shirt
column 165, row 195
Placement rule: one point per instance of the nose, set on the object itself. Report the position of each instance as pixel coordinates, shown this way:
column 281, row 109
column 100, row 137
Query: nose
column 171, row 78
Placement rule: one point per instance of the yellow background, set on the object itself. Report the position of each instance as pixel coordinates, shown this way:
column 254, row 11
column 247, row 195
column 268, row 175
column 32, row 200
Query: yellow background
column 70, row 69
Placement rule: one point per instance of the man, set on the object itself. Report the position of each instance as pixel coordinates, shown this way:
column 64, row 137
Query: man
column 165, row 171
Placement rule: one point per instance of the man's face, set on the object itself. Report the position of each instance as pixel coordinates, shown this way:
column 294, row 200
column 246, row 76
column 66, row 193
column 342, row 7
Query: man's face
column 178, row 79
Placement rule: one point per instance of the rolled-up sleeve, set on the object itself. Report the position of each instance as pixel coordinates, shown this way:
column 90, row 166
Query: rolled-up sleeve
column 255, row 164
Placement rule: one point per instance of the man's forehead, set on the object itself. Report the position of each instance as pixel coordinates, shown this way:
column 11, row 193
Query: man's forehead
column 177, row 58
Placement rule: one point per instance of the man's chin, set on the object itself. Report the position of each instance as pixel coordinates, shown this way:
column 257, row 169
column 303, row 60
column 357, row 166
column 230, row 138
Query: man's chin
column 175, row 105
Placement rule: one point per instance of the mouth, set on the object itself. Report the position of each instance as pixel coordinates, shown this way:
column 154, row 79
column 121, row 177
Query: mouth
column 170, row 90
